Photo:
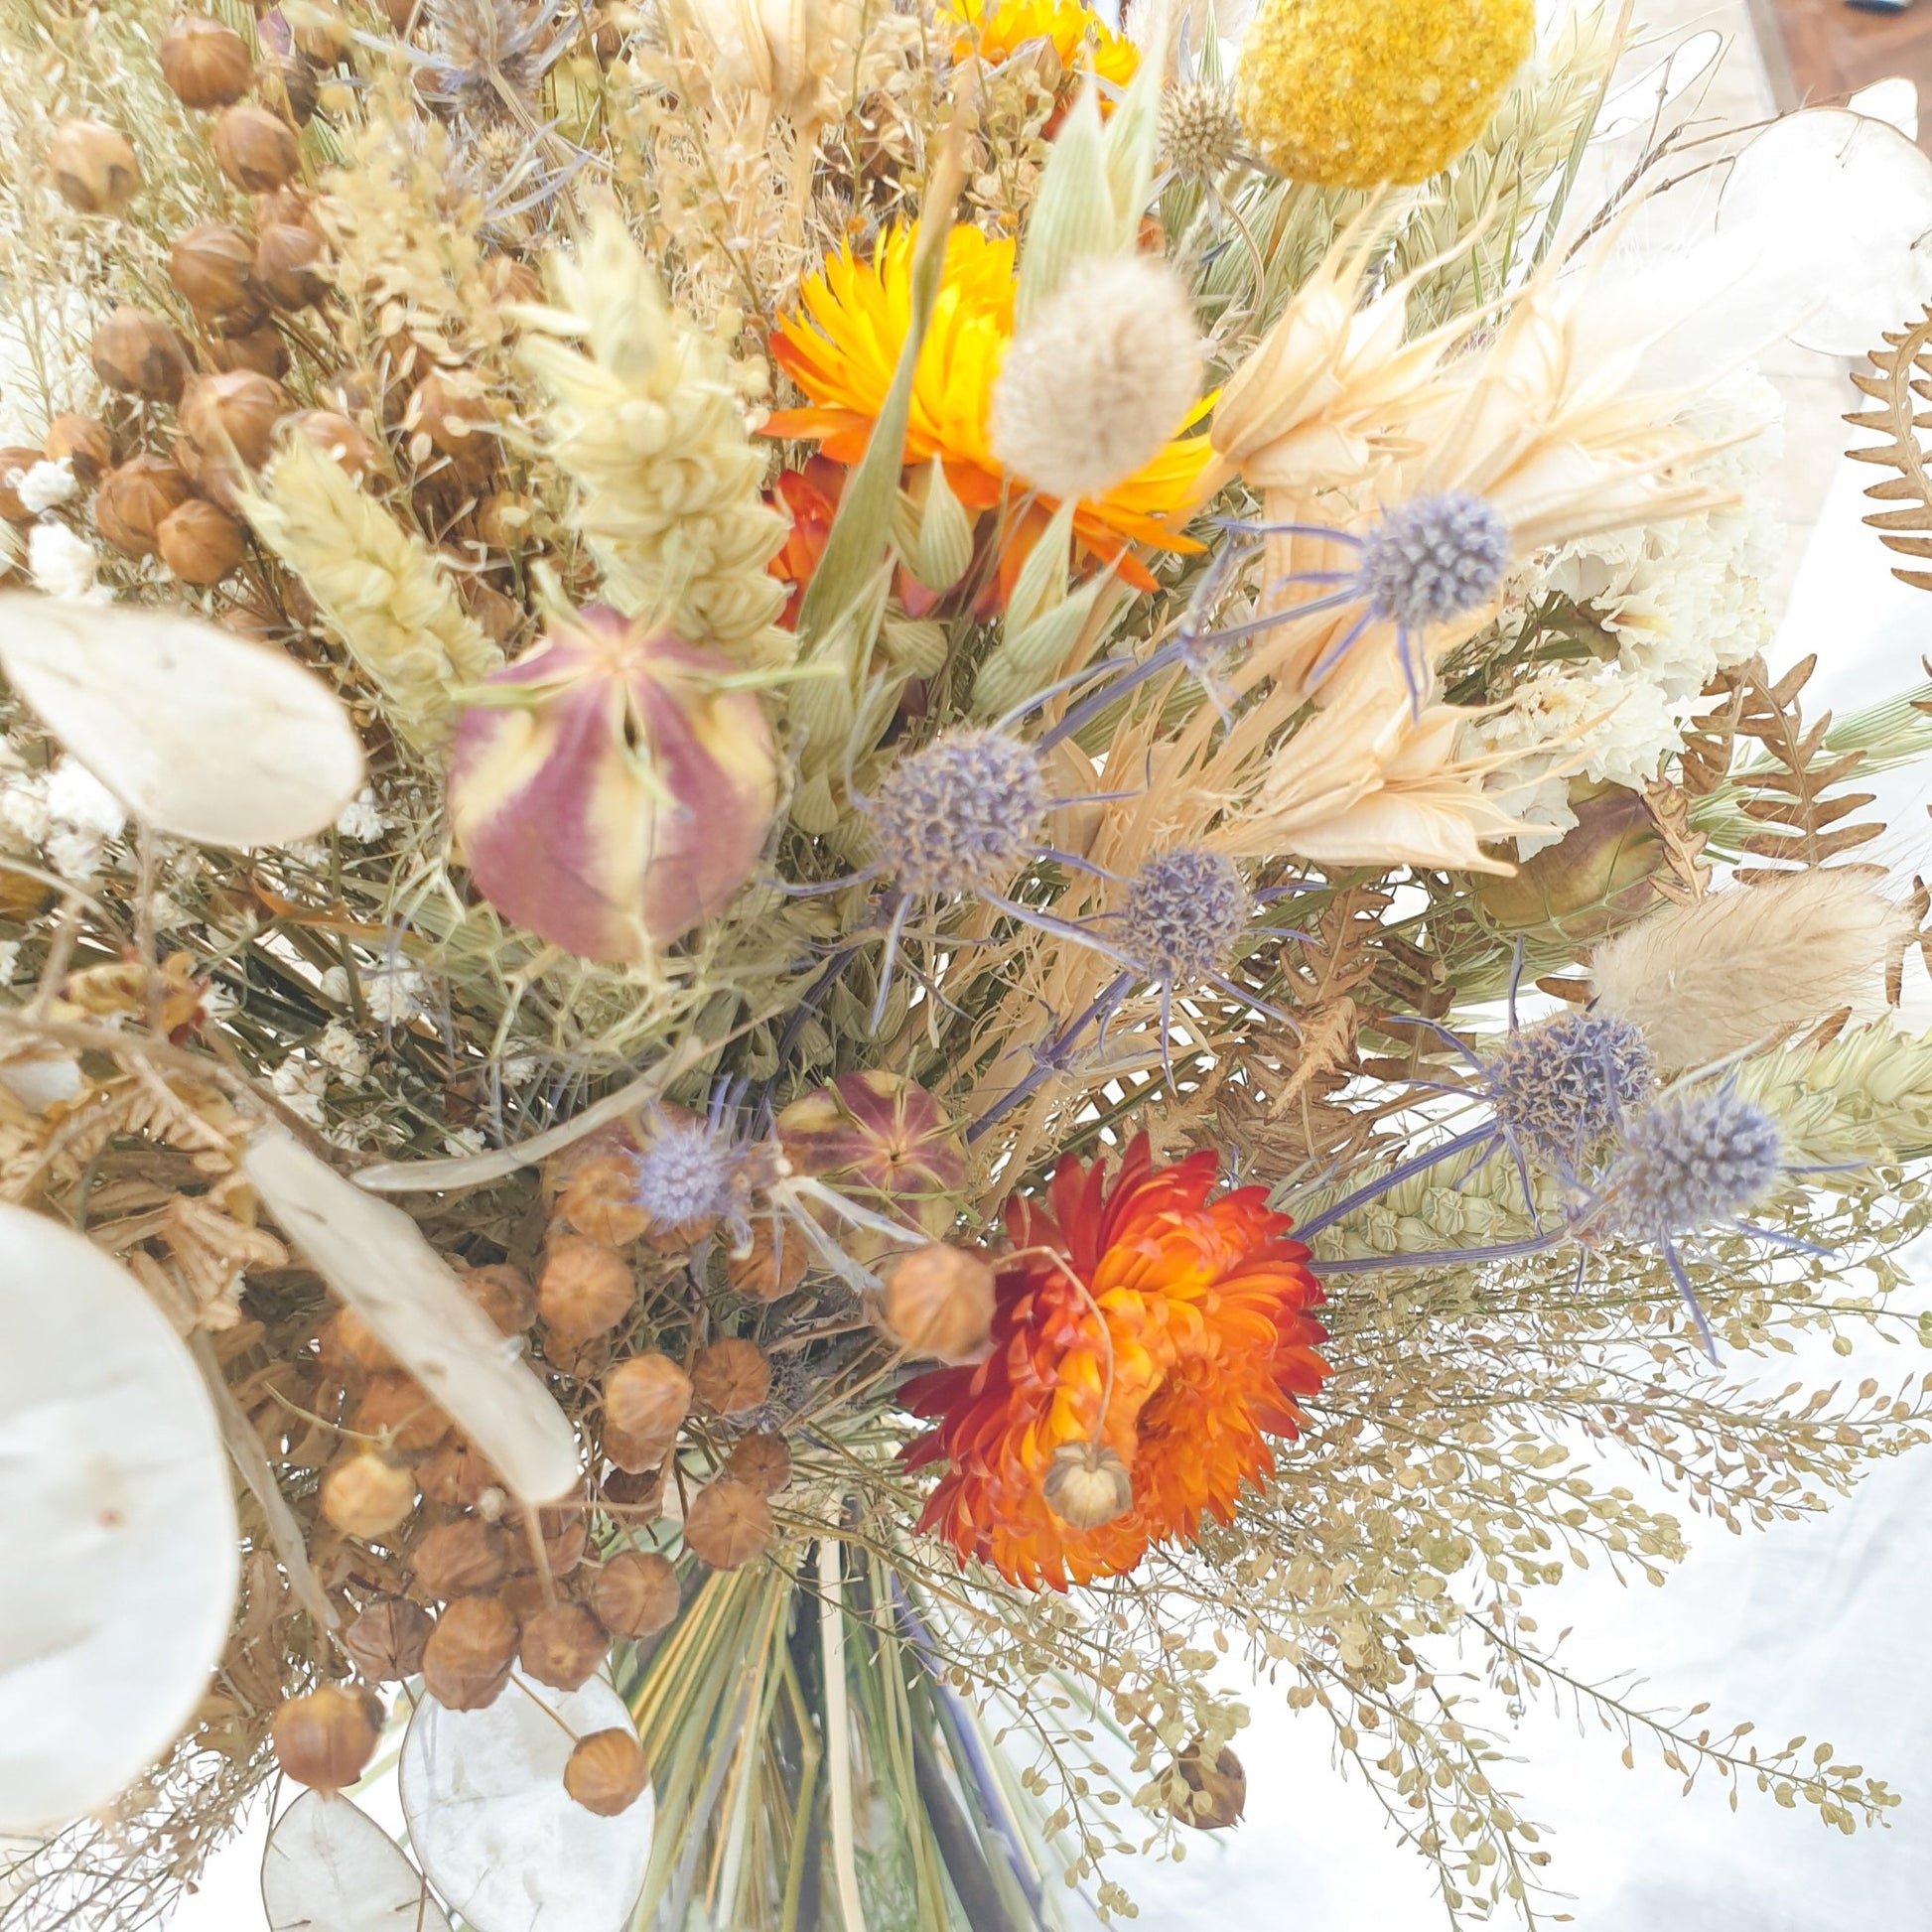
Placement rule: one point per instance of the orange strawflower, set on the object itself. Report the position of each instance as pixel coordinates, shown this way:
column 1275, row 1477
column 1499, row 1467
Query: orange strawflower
column 1085, row 43
column 1205, row 1344
column 841, row 348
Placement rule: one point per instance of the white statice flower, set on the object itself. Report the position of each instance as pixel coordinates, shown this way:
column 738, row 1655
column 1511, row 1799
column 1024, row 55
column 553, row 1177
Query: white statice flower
column 1598, row 722
column 518, row 1069
column 394, row 994
column 310, row 854
column 24, row 820
column 465, row 1142
column 299, row 1083
column 47, row 486
column 333, row 984
column 341, row 1049
column 362, row 819
column 63, row 565
column 1684, row 598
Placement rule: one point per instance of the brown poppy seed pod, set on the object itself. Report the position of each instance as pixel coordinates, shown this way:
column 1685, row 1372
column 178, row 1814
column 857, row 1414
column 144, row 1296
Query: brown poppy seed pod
column 503, row 1293
column 286, row 259
column 449, row 408
column 524, row 1595
column 368, row 1495
column 566, row 1537
column 385, row 1643
column 287, row 84
column 139, row 355
column 227, row 421
column 93, row 166
column 15, row 462
column 455, row 1559
column 586, row 1287
column 83, row 444
column 938, row 1304
column 727, row 1524
column 133, row 501
column 455, row 1476
column 635, row 1594
column 647, row 1398
column 205, row 64
column 607, row 1772
column 260, row 350
column 732, row 1377
column 327, row 1738
column 637, row 1495
column 772, row 1266
column 339, row 440
column 1088, row 1486
column 638, row 1456
column 1219, row 1790
column 347, row 1338
column 255, row 149
column 600, row 1202
column 761, row 1459
column 562, row 1646
column 200, row 543
column 468, row 1658
column 399, row 1409
column 212, row 268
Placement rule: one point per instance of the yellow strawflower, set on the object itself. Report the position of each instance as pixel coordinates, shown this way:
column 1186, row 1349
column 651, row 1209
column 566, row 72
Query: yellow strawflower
column 1355, row 93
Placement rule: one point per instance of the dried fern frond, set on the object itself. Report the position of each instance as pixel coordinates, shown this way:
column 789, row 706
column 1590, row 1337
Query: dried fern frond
column 1902, row 384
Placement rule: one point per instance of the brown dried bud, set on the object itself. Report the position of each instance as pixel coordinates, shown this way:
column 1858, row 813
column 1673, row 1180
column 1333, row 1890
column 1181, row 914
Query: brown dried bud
column 938, row 1303
column 648, row 1398
column 385, row 1643
column 1220, row 1790
column 607, row 1772
column 82, row 442
column 368, row 1495
column 468, row 1658
column 285, row 267
column 772, row 1266
column 200, row 543
column 635, row 1594
column 600, row 1202
column 761, row 1459
column 93, row 166
column 727, row 1524
column 449, row 408
column 454, row 1558
column 457, row 1476
column 524, row 1595
column 15, row 462
column 212, row 267
column 346, row 1337
column 255, row 149
column 565, row 1536
column 637, row 1495
column 639, row 1455
column 134, row 500
column 586, row 1287
column 327, row 1738
column 338, row 438
column 138, row 354
column 321, row 34
column 731, row 1377
column 227, row 426
column 261, row 351
column 207, row 63
column 287, row 84
column 397, row 1407
column 562, row 1646
column 1088, row 1486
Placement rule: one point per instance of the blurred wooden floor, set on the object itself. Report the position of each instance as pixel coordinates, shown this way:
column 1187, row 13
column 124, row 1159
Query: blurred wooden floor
column 1823, row 50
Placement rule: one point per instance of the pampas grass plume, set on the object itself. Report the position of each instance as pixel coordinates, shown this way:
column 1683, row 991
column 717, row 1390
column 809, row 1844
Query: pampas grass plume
column 1100, row 378
column 1707, row 979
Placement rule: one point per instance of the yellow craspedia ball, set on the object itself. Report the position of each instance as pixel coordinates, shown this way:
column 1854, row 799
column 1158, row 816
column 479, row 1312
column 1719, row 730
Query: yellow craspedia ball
column 1355, row 93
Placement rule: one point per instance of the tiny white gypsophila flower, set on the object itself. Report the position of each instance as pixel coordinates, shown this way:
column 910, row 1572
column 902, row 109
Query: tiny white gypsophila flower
column 465, row 1142
column 167, row 914
column 339, row 1048
column 333, row 984
column 45, row 485
column 63, row 565
column 362, row 819
column 393, row 995
column 73, row 855
column 78, row 800
column 216, row 1001
column 1099, row 379
column 519, row 1068
column 24, row 818
column 299, row 1083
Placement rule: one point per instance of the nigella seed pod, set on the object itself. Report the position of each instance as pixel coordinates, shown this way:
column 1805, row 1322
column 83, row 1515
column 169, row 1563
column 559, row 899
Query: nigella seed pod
column 607, row 1772
column 324, row 1739
column 1217, row 1792
column 93, row 166
column 206, row 62
column 1088, row 1485
column 613, row 791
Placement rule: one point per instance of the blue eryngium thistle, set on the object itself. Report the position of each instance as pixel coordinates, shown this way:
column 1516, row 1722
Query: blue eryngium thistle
column 1559, row 1086
column 1434, row 560
column 1695, row 1161
column 685, row 1174
column 1185, row 909
column 960, row 815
